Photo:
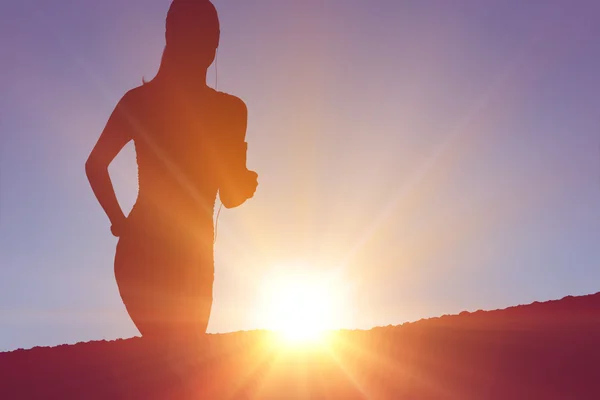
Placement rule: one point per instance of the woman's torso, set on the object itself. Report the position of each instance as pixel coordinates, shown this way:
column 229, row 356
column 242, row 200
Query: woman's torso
column 178, row 140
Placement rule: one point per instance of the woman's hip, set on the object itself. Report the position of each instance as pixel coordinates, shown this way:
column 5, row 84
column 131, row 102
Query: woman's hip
column 146, row 263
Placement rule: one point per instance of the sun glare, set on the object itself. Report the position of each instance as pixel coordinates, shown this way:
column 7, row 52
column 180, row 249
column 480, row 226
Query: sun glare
column 299, row 308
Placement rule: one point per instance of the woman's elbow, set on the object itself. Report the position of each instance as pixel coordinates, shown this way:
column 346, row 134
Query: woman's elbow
column 90, row 167
column 93, row 166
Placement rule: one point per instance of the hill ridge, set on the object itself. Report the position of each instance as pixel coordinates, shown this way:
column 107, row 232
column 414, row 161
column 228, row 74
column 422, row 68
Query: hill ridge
column 540, row 350
column 592, row 301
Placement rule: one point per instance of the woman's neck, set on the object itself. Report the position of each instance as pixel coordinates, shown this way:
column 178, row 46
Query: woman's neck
column 184, row 80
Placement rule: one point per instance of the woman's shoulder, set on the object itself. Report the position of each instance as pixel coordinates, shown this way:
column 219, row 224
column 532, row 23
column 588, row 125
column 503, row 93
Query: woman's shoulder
column 232, row 104
column 141, row 102
column 129, row 102
column 137, row 94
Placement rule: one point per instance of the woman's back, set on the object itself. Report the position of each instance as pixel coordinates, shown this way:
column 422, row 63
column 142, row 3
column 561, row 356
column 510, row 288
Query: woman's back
column 181, row 141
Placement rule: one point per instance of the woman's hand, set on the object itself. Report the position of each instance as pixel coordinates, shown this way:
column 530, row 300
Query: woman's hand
column 251, row 184
column 118, row 228
column 240, row 190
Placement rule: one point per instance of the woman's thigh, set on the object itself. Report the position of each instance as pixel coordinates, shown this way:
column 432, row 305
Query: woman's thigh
column 164, row 291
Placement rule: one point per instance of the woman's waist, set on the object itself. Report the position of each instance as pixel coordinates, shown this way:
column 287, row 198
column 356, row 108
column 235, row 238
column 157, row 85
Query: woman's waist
column 178, row 218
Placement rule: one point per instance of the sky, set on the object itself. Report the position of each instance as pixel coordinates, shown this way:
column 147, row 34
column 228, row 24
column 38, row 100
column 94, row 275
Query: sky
column 419, row 157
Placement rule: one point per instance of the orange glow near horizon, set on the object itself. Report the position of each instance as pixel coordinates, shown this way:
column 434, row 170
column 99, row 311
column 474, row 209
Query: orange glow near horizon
column 300, row 307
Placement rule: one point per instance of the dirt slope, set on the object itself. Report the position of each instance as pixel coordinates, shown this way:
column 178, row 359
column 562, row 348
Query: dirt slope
column 547, row 350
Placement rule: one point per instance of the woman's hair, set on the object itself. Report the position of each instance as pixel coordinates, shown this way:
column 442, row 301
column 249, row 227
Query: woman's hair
column 192, row 34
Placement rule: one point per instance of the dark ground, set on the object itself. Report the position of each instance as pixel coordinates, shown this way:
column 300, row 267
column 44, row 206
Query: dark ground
column 545, row 350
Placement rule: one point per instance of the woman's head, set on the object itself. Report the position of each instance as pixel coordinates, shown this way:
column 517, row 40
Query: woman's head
column 192, row 35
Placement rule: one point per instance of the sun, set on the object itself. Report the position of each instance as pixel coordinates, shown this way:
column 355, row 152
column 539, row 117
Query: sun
column 299, row 307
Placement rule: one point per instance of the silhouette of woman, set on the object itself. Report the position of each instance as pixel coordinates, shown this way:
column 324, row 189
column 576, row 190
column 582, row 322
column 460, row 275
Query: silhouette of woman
column 190, row 143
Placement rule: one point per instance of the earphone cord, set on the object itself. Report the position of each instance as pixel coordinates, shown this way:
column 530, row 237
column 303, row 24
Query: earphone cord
column 216, row 88
column 217, row 224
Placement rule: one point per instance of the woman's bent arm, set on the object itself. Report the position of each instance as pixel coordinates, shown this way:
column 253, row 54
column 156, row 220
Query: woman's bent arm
column 114, row 137
column 238, row 184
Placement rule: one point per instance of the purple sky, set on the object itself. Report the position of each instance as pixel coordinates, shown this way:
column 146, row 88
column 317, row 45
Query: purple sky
column 434, row 156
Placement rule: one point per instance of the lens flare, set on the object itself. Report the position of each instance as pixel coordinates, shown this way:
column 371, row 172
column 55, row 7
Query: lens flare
column 300, row 308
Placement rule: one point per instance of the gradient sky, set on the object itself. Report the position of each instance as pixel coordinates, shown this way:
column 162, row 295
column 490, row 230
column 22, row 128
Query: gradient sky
column 428, row 157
